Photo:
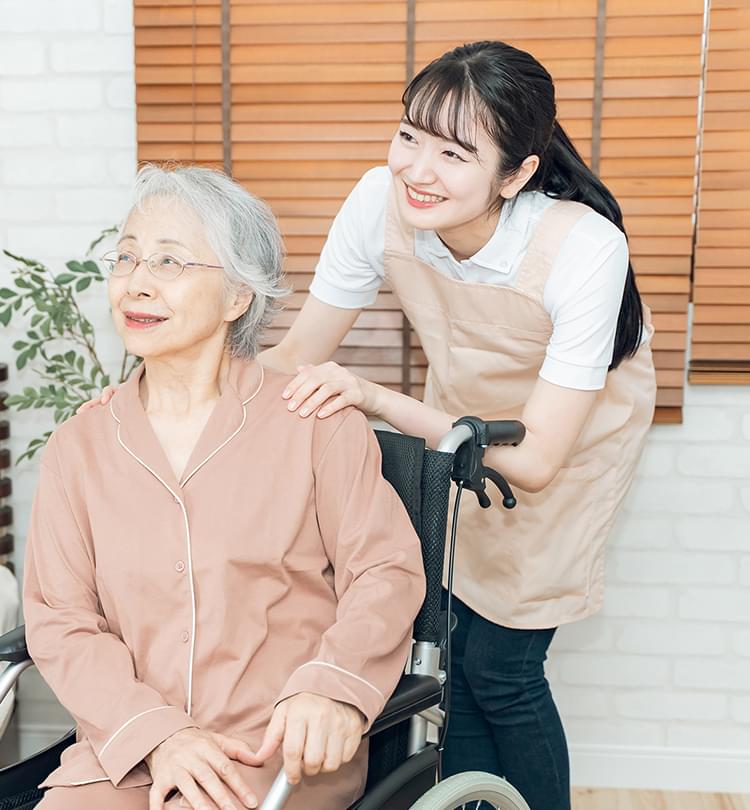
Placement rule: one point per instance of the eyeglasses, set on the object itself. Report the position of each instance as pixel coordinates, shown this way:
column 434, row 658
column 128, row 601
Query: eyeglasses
column 161, row 265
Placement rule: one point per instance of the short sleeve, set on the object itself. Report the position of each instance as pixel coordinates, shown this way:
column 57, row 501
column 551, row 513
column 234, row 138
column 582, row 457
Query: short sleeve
column 583, row 297
column 350, row 269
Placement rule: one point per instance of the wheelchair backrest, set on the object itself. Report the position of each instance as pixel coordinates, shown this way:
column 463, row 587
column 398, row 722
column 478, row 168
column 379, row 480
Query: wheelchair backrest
column 421, row 477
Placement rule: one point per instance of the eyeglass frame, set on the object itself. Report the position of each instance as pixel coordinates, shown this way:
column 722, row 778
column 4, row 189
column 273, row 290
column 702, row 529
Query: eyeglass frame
column 147, row 260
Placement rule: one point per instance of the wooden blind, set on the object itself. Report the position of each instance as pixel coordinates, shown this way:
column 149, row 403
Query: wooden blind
column 721, row 295
column 652, row 68
column 178, row 80
column 315, row 98
column 315, row 90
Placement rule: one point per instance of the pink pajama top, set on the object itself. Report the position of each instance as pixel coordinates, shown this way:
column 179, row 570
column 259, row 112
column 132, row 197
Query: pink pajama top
column 282, row 562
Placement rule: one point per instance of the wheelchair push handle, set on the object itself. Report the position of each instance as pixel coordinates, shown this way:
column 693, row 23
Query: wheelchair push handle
column 505, row 431
column 468, row 439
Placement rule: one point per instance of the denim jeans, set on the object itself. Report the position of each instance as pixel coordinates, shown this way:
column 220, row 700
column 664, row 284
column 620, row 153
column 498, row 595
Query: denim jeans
column 502, row 716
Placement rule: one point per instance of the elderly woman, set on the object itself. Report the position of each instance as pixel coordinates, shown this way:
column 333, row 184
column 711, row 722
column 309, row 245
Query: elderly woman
column 213, row 586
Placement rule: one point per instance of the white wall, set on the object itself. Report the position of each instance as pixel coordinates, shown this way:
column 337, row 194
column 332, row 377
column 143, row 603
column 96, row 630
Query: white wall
column 655, row 692
column 67, row 156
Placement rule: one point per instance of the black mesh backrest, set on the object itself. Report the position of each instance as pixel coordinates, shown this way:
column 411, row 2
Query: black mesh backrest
column 421, row 477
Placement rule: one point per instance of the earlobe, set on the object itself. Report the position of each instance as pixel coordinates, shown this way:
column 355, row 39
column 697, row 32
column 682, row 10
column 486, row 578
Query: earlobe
column 240, row 305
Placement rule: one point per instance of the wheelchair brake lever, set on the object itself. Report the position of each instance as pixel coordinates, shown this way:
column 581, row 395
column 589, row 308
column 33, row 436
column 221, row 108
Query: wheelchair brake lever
column 470, row 472
column 509, row 499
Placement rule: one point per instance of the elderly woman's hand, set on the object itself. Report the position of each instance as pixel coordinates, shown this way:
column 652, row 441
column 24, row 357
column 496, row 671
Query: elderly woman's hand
column 329, row 387
column 199, row 763
column 107, row 393
column 317, row 735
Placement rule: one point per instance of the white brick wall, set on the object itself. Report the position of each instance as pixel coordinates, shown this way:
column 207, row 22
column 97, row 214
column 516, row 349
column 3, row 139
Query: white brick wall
column 669, row 657
column 67, row 154
column 655, row 691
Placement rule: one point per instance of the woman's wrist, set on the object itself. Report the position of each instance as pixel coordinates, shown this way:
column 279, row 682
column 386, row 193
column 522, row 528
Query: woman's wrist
column 376, row 400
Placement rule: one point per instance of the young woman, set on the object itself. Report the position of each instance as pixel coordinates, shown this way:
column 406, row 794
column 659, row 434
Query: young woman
column 510, row 260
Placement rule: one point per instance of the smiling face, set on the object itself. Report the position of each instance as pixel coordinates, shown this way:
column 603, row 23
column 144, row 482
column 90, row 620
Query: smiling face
column 182, row 316
column 442, row 185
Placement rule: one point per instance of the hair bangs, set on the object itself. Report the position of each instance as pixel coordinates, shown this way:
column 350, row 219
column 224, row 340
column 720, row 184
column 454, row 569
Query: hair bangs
column 445, row 105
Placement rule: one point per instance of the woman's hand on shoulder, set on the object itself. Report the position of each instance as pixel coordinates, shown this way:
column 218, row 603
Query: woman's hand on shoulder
column 103, row 399
column 199, row 764
column 316, row 734
column 328, row 388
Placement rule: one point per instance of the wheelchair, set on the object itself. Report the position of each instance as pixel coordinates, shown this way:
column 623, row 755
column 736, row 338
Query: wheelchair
column 404, row 763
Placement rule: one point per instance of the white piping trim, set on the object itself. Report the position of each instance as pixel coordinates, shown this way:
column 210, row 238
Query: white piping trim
column 89, row 781
column 126, row 724
column 345, row 671
column 189, row 704
column 226, row 441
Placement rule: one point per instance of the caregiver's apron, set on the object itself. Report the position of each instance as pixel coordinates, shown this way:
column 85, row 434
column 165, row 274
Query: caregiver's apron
column 542, row 563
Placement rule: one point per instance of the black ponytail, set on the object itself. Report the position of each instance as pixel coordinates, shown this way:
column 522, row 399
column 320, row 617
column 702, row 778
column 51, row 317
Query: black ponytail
column 512, row 96
column 563, row 174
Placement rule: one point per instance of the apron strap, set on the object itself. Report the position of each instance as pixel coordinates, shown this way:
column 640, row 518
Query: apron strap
column 399, row 236
column 551, row 231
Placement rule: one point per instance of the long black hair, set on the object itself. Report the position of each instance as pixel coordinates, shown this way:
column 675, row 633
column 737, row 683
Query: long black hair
column 512, row 96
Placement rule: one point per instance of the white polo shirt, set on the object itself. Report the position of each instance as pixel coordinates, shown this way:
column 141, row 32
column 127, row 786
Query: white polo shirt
column 582, row 295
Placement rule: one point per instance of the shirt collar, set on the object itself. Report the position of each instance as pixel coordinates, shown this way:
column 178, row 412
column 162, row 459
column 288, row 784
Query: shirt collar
column 504, row 245
column 244, row 381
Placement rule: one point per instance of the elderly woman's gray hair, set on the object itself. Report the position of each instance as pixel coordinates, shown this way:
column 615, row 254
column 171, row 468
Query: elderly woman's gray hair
column 243, row 233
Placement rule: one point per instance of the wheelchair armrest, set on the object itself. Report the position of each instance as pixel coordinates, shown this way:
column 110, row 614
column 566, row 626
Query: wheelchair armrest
column 413, row 694
column 13, row 646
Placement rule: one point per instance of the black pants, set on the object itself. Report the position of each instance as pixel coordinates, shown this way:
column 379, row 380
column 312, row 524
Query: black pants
column 502, row 716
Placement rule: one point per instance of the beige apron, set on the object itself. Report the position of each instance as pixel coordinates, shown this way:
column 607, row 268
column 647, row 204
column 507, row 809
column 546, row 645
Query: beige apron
column 541, row 564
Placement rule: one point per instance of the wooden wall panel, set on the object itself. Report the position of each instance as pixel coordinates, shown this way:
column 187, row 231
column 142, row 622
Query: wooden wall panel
column 721, row 296
column 652, row 71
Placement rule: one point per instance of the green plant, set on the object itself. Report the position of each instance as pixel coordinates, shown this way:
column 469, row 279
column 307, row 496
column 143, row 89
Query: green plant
column 59, row 335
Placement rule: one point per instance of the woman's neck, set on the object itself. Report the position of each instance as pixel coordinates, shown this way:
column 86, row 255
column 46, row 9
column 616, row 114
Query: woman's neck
column 179, row 386
column 469, row 238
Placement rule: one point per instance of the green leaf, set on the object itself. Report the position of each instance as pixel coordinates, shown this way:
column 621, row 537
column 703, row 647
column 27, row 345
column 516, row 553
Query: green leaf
column 93, row 268
column 79, row 364
column 27, row 262
column 20, row 344
column 35, row 320
column 103, row 235
column 82, row 284
column 21, row 360
column 74, row 266
column 6, row 293
column 64, row 278
column 5, row 316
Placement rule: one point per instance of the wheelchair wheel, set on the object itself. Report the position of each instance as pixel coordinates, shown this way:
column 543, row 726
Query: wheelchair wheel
column 472, row 790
